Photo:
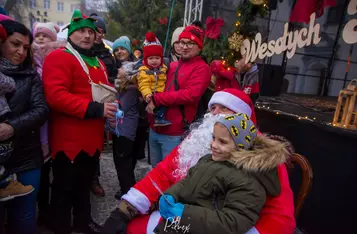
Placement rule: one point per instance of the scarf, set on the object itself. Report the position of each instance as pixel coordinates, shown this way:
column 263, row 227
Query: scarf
column 6, row 65
column 88, row 55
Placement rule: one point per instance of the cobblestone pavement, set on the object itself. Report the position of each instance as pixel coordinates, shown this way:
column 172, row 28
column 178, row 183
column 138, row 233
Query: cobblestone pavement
column 101, row 207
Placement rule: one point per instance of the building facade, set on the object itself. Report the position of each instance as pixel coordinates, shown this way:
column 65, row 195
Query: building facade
column 96, row 5
column 56, row 11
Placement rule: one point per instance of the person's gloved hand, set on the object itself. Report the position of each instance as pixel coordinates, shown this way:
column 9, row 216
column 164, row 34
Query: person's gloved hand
column 119, row 219
column 170, row 211
column 115, row 224
column 164, row 205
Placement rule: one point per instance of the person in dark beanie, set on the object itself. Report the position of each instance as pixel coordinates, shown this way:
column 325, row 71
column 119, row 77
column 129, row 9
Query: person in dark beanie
column 103, row 53
column 138, row 54
column 101, row 50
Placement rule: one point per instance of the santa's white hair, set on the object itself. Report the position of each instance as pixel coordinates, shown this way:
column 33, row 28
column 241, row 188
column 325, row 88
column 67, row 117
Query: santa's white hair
column 195, row 145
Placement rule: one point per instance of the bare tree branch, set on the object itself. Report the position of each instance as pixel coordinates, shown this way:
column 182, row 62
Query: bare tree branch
column 15, row 7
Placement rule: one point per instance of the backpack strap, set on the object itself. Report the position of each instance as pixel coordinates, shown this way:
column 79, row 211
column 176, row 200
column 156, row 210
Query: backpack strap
column 177, row 87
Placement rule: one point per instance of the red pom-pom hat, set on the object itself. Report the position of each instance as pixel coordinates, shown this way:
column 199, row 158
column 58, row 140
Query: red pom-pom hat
column 152, row 47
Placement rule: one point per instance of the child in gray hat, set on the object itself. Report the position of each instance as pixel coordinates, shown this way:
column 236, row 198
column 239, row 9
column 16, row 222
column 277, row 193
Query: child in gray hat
column 226, row 190
column 123, row 141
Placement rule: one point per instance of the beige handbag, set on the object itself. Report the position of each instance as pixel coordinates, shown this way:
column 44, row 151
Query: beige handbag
column 101, row 93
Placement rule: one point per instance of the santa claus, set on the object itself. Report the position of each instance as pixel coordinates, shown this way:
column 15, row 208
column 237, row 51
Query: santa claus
column 136, row 212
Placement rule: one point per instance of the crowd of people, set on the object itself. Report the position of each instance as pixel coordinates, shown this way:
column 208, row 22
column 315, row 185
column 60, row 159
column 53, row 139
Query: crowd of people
column 217, row 171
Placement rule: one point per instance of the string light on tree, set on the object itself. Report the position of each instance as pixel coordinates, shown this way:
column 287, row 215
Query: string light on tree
column 244, row 28
column 257, row 2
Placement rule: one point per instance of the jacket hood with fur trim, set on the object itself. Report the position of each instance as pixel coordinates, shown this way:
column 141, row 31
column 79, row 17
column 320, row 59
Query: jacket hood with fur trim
column 267, row 154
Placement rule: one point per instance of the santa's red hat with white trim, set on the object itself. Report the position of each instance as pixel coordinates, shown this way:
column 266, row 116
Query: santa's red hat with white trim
column 235, row 100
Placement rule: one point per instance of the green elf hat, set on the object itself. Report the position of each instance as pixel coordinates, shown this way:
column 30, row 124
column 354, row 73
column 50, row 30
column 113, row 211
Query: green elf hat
column 80, row 20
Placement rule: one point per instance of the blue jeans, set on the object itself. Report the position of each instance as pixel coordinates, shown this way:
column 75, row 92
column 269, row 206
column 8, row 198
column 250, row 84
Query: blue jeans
column 22, row 210
column 161, row 145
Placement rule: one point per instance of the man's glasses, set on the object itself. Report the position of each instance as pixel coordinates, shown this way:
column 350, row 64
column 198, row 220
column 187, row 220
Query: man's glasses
column 188, row 44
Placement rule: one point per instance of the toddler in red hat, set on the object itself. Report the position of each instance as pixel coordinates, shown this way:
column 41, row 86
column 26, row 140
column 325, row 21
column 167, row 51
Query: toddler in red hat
column 152, row 75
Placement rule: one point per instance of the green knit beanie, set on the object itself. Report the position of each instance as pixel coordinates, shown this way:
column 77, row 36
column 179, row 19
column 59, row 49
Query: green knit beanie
column 79, row 21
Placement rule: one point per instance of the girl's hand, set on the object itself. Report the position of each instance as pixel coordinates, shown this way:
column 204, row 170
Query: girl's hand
column 112, row 123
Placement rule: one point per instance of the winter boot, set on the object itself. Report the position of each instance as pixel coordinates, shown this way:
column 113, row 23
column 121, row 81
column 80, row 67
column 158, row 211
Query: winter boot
column 160, row 119
column 160, row 122
column 15, row 189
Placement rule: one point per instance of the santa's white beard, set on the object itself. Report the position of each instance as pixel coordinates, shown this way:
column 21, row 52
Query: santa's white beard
column 196, row 145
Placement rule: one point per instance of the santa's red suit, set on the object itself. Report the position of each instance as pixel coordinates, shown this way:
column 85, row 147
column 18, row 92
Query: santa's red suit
column 277, row 215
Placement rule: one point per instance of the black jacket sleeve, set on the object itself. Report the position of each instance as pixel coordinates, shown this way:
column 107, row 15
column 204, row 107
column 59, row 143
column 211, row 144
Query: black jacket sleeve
column 94, row 110
column 111, row 69
column 37, row 113
column 254, row 97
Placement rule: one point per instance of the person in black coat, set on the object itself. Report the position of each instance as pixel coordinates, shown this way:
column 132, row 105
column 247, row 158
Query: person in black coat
column 141, row 138
column 103, row 53
column 28, row 113
column 101, row 50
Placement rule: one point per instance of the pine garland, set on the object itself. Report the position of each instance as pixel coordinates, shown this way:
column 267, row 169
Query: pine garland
column 228, row 49
column 243, row 29
column 215, row 49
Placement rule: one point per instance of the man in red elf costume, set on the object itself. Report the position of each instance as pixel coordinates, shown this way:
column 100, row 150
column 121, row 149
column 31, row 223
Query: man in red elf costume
column 71, row 78
column 137, row 206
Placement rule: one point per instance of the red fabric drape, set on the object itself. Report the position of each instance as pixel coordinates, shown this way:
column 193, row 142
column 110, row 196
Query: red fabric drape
column 304, row 8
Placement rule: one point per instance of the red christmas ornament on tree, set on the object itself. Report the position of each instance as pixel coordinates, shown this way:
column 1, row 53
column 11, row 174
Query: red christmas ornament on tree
column 163, row 21
column 135, row 42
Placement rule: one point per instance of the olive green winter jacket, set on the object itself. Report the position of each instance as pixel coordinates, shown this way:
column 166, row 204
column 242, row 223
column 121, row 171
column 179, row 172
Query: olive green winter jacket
column 226, row 196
